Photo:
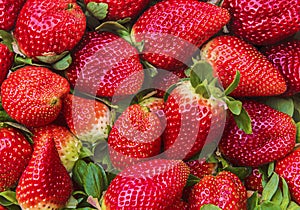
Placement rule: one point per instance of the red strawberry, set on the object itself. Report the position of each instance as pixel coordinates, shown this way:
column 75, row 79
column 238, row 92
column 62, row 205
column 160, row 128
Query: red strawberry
column 286, row 56
column 201, row 168
column 254, row 181
column 45, row 183
column 156, row 105
column 120, row 9
column 67, row 145
column 273, row 137
column 263, row 22
column 46, row 28
column 6, row 61
column 105, row 65
column 33, row 95
column 9, row 10
column 224, row 190
column 289, row 169
column 2, row 207
column 89, row 120
column 134, row 136
column 178, row 205
column 172, row 30
column 259, row 77
column 154, row 184
column 15, row 153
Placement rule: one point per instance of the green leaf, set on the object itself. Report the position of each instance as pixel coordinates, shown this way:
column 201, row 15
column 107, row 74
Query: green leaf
column 98, row 10
column 286, row 197
column 72, row 203
column 192, row 180
column 200, row 71
column 51, row 58
column 19, row 126
column 235, row 106
column 93, row 182
column 285, row 105
column 269, row 205
column 234, row 83
column 293, row 206
column 85, row 152
column 252, row 202
column 277, row 198
column 241, row 172
column 63, row 64
column 8, row 198
column 298, row 132
column 19, row 60
column 271, row 169
column 79, row 172
column 243, row 121
column 210, row 207
column 7, row 39
column 202, row 89
column 270, row 188
column 116, row 28
column 4, row 117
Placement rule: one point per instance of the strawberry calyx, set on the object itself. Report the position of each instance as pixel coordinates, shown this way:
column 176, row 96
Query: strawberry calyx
column 97, row 10
column 7, row 39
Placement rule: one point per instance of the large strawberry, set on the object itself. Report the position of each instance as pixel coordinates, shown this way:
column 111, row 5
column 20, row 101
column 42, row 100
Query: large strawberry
column 224, row 190
column 273, row 137
column 289, row 168
column 6, row 60
column 263, row 22
column 9, row 10
column 48, row 28
column 134, row 136
column 286, row 57
column 173, row 29
column 33, row 95
column 45, row 183
column 259, row 77
column 154, row 184
column 105, row 65
column 15, row 153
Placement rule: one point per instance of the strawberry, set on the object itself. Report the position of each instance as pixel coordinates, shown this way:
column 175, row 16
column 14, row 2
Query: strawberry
column 33, row 95
column 9, row 10
column 15, row 153
column 273, row 137
column 134, row 136
column 45, row 183
column 67, row 145
column 285, row 56
column 178, row 205
column 172, row 30
column 48, row 28
column 259, row 77
column 263, row 22
column 105, row 65
column 254, row 181
column 6, row 61
column 224, row 190
column 90, row 120
column 201, row 168
column 155, row 105
column 154, row 184
column 289, row 168
column 2, row 207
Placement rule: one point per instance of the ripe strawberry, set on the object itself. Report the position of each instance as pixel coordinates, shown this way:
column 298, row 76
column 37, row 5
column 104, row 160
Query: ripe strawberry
column 254, row 181
column 89, row 120
column 263, row 22
column 156, row 105
column 67, row 145
column 15, row 153
column 172, row 30
column 45, row 183
column 273, row 137
column 105, row 65
column 201, row 168
column 6, row 61
column 33, row 95
column 259, row 77
column 47, row 28
column 2, row 207
column 224, row 190
column 134, row 136
column 289, row 168
column 178, row 205
column 9, row 10
column 286, row 56
column 154, row 184
column 120, row 9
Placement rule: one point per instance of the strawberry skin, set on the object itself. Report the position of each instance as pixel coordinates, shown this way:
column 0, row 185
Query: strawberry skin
column 172, row 30
column 289, row 168
column 46, row 28
column 263, row 22
column 33, row 95
column 154, row 184
column 45, row 183
column 259, row 77
column 254, row 181
column 201, row 168
column 15, row 153
column 286, row 57
column 6, row 61
column 224, row 190
column 273, row 137
column 9, row 10
column 105, row 65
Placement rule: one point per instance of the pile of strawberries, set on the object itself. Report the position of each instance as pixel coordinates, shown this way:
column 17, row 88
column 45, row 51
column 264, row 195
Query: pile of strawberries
column 140, row 104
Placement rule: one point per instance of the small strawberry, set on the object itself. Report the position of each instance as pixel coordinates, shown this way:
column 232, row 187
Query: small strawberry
column 134, row 136
column 67, row 145
column 154, row 184
column 6, row 61
column 90, row 120
column 224, row 190
column 15, row 153
column 9, row 10
column 201, row 168
column 48, row 28
column 33, row 95
column 263, row 22
column 105, row 65
column 259, row 77
column 289, row 168
column 254, row 181
column 45, row 183
column 273, row 137
column 286, row 56
column 172, row 30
